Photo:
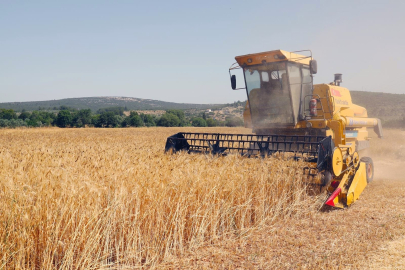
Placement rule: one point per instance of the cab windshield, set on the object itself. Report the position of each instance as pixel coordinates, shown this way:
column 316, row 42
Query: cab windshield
column 275, row 91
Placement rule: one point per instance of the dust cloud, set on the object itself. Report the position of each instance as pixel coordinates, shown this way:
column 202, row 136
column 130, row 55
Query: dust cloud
column 386, row 169
column 388, row 155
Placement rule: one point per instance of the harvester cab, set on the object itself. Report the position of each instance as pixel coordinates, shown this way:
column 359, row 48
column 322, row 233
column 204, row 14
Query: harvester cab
column 277, row 83
column 318, row 124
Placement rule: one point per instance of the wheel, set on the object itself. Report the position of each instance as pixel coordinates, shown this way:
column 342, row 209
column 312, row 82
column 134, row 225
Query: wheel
column 369, row 168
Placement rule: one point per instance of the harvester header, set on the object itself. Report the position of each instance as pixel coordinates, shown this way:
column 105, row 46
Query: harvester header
column 289, row 114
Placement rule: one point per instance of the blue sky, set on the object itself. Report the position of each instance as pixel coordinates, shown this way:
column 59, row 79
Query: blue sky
column 180, row 51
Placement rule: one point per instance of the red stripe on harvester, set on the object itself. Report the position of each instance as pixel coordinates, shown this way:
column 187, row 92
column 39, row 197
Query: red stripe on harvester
column 332, row 197
column 335, row 92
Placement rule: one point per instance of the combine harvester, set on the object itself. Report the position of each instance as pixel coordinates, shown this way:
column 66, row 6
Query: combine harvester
column 318, row 124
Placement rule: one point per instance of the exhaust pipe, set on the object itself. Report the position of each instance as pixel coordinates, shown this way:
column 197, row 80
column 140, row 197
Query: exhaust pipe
column 338, row 79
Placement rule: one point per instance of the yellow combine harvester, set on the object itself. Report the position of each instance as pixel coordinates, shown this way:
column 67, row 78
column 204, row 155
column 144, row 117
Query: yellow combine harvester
column 315, row 123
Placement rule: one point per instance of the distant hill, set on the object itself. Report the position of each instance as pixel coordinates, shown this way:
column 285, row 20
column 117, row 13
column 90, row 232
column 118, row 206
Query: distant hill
column 390, row 108
column 95, row 103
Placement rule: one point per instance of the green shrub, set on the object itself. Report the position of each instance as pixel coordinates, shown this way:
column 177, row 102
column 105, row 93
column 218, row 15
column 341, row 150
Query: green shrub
column 169, row 120
column 233, row 121
column 199, row 122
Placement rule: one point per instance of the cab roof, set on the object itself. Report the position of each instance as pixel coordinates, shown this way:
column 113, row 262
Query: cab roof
column 272, row 56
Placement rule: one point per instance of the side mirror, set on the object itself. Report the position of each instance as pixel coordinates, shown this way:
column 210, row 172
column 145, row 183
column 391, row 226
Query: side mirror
column 233, row 82
column 313, row 67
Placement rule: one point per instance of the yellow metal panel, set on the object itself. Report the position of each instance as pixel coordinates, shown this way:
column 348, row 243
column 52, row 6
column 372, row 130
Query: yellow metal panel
column 348, row 112
column 340, row 99
column 359, row 183
column 359, row 111
column 298, row 58
column 341, row 95
column 271, row 56
column 362, row 134
column 338, row 132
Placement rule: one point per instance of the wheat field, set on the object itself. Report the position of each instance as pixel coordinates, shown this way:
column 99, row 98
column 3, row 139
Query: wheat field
column 111, row 198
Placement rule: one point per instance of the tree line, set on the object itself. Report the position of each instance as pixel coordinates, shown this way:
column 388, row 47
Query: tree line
column 108, row 118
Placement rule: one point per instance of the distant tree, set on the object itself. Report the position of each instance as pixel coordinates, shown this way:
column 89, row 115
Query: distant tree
column 35, row 116
column 95, row 120
column 22, row 123
column 199, row 122
column 82, row 118
column 108, row 119
column 12, row 123
column 114, row 110
column 133, row 113
column 24, row 115
column 4, row 122
column 17, row 123
column 7, row 114
column 64, row 119
column 169, row 120
column 148, row 120
column 48, row 118
column 116, row 121
column 104, row 119
column 43, row 117
column 220, row 123
column 180, row 115
column 135, row 121
column 33, row 123
column 233, row 121
column 211, row 122
column 66, row 108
